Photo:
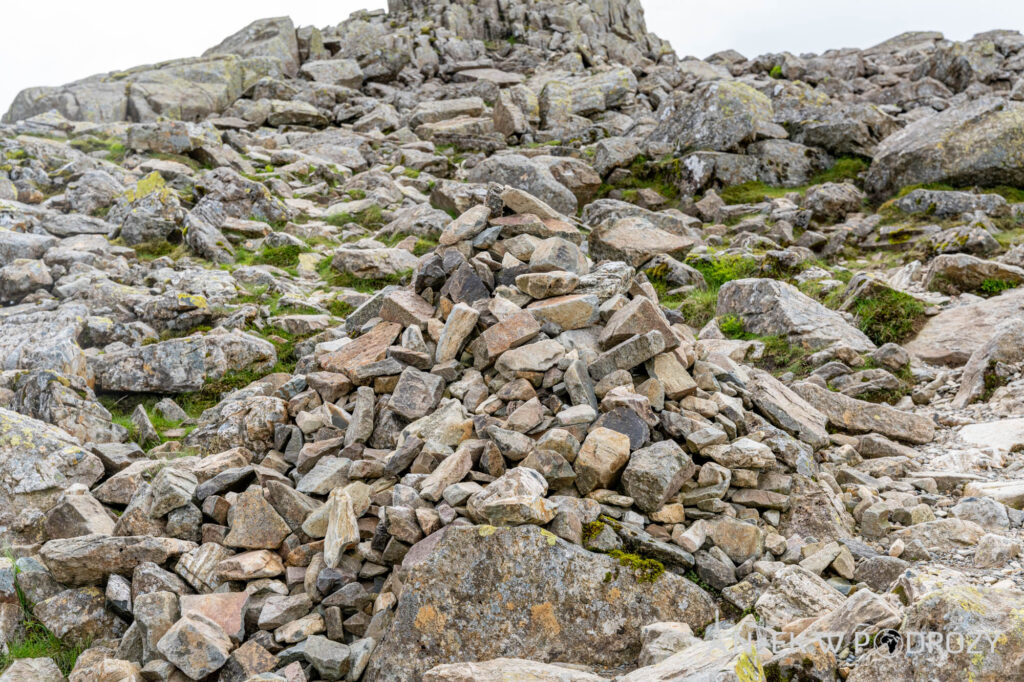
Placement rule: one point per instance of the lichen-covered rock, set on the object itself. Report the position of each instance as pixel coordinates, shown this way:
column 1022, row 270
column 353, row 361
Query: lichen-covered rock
column 973, row 143
column 563, row 594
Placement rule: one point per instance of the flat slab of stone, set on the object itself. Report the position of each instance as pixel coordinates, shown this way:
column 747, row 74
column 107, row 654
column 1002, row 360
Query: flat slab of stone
column 1004, row 434
column 953, row 335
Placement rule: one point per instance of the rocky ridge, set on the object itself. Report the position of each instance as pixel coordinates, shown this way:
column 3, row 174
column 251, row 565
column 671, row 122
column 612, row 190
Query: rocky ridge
column 471, row 342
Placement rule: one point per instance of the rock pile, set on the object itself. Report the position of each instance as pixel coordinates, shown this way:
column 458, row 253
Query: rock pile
column 492, row 341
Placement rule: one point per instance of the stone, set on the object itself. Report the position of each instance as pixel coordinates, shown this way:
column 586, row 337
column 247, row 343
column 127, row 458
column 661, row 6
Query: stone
column 768, row 307
column 457, row 328
column 342, row 527
column 602, row 457
column 796, row 593
column 331, row 659
column 90, row 558
column 944, row 148
column 433, row 611
column 196, row 645
column 717, row 116
column 636, row 240
column 499, row 669
column 518, row 171
column 859, row 416
column 656, row 473
column 343, row 72
column 416, row 394
column 254, row 523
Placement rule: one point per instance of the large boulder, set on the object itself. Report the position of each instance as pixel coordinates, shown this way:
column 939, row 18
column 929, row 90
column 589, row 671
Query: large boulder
column 271, row 39
column 858, row 416
column 974, row 143
column 980, row 632
column 477, row 593
column 528, row 175
column 181, row 365
column 952, row 336
column 768, row 307
column 37, row 463
column 718, row 116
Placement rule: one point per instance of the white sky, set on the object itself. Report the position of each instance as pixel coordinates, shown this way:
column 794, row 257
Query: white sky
column 54, row 42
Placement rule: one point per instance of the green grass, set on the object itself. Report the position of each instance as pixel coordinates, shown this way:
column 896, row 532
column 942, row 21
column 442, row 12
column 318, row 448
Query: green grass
column 121, row 406
column 662, row 176
column 371, row 217
column 38, row 641
column 148, row 251
column 423, row 246
column 776, row 71
column 779, row 355
column 847, row 168
column 889, row 316
column 114, row 148
column 994, row 287
column 339, row 308
column 698, row 306
column 283, row 257
column 333, row 278
column 645, row 569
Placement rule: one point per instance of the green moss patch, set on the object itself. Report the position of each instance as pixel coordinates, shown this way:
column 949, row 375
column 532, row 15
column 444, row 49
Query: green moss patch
column 645, row 569
column 889, row 316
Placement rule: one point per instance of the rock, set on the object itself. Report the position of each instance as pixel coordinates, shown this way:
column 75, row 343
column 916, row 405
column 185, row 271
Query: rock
column 944, row 204
column 373, row 263
column 90, row 558
column 33, row 670
column 952, row 336
column 768, row 307
column 1005, row 346
column 994, row 551
column 636, row 240
column 602, row 457
column 457, row 328
column 739, row 540
column 787, row 410
column 343, row 72
column 331, row 659
column 656, row 473
column 417, row 393
column 945, row 149
column 432, row 610
column 958, row 611
column 500, row 669
column 265, row 38
column 181, row 365
column 796, row 593
column 533, row 178
column 718, row 116
column 196, row 645
column 860, row 417
column 254, row 523
column 942, row 534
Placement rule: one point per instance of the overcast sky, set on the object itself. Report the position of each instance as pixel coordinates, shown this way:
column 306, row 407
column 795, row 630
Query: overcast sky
column 54, row 42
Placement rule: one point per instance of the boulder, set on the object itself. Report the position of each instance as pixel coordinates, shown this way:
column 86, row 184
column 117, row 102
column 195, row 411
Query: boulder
column 963, row 145
column 768, row 307
column 466, row 584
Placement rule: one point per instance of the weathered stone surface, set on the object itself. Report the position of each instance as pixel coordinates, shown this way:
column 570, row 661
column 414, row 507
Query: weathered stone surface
column 656, row 473
column 532, row 578
column 500, row 669
column 859, row 416
column 962, row 145
column 768, row 307
column 90, row 558
column 196, row 645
